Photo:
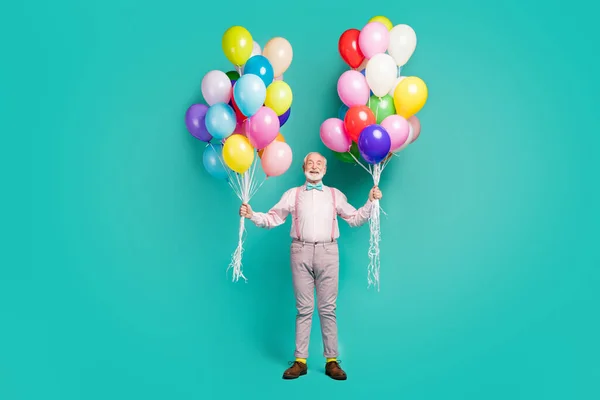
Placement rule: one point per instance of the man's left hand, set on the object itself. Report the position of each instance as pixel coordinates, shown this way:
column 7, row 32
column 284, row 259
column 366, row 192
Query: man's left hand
column 375, row 194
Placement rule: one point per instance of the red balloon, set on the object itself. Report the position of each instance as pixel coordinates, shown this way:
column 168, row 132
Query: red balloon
column 240, row 117
column 349, row 49
column 358, row 118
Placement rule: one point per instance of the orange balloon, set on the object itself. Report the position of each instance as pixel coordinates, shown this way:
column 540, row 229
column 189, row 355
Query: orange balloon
column 279, row 138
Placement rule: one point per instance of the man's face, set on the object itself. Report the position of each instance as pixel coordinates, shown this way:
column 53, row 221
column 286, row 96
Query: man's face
column 314, row 168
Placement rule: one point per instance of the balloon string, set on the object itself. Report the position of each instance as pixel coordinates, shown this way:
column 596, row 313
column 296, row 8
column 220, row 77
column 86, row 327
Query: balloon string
column 230, row 177
column 245, row 182
column 374, row 226
column 359, row 163
column 375, row 235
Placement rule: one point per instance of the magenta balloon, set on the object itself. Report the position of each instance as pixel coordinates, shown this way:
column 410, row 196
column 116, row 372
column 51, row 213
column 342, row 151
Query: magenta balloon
column 334, row 136
column 353, row 89
column 397, row 127
column 276, row 159
column 262, row 128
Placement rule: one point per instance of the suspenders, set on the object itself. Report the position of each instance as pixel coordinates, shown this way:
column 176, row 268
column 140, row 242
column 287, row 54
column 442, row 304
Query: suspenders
column 295, row 213
column 334, row 215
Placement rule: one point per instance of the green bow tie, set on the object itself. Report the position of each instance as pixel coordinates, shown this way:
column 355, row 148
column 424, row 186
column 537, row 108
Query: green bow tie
column 318, row 186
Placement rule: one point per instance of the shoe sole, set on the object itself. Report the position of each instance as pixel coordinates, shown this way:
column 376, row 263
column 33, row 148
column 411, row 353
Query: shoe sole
column 337, row 378
column 287, row 377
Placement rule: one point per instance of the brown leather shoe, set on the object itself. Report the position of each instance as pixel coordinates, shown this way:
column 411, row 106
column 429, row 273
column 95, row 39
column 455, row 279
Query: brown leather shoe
column 296, row 370
column 333, row 370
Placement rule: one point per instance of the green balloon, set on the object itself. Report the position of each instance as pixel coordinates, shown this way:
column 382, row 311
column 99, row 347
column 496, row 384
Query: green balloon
column 382, row 107
column 346, row 157
column 233, row 75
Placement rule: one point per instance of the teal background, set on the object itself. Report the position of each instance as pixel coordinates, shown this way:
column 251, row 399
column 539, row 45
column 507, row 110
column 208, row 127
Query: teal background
column 113, row 280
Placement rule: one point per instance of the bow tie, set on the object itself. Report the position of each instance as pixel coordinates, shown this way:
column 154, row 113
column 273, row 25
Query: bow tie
column 311, row 186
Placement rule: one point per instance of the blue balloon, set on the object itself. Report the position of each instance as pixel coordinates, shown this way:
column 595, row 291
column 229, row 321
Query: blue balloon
column 342, row 111
column 213, row 163
column 284, row 117
column 220, row 120
column 374, row 143
column 261, row 67
column 249, row 94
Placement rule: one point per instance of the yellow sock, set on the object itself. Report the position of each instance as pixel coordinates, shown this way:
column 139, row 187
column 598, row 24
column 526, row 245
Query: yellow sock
column 301, row 360
column 331, row 359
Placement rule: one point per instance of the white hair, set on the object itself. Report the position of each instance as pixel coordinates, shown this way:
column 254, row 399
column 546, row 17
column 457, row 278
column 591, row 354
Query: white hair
column 315, row 152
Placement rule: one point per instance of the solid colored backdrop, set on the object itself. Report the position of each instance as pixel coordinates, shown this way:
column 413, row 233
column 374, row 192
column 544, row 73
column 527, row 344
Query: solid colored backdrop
column 113, row 282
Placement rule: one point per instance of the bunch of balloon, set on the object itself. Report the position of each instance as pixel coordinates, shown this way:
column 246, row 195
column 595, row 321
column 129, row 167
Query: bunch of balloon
column 241, row 121
column 378, row 116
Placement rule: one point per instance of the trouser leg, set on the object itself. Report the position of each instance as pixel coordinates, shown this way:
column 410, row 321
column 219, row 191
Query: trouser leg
column 304, row 284
column 326, row 270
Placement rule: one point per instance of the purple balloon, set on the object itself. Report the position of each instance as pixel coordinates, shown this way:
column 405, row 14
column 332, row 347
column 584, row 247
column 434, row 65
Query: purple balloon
column 194, row 122
column 374, row 144
column 284, row 117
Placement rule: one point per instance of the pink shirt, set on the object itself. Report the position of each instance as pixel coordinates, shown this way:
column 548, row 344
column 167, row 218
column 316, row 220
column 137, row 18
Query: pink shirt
column 314, row 220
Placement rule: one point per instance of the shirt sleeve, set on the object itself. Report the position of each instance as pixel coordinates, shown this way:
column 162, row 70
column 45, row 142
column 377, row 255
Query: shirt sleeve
column 276, row 215
column 350, row 214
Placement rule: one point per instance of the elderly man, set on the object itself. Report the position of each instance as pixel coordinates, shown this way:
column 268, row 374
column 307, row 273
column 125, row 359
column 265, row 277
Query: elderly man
column 314, row 255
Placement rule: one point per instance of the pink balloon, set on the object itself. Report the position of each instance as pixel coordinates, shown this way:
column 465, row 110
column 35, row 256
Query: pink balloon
column 262, row 128
column 334, row 135
column 373, row 39
column 276, row 158
column 353, row 89
column 398, row 129
column 416, row 127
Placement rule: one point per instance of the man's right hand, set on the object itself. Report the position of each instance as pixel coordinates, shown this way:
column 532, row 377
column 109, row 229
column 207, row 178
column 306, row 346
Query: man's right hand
column 246, row 211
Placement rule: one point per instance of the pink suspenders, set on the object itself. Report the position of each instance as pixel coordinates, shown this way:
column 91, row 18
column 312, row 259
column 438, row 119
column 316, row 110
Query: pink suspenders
column 295, row 213
column 334, row 214
column 296, row 223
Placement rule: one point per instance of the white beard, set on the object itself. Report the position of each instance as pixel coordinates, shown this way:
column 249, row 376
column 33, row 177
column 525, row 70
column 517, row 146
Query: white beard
column 314, row 177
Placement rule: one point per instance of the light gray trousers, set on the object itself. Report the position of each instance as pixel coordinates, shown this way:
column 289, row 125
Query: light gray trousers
column 315, row 266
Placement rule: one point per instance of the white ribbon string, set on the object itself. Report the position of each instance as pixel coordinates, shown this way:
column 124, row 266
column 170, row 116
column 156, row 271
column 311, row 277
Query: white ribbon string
column 375, row 234
column 374, row 223
column 245, row 187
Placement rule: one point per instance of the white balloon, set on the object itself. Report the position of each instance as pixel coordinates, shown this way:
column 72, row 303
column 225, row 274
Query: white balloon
column 393, row 89
column 381, row 73
column 403, row 41
column 216, row 87
column 256, row 50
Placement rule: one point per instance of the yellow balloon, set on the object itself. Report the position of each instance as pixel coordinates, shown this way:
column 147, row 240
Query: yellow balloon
column 279, row 97
column 384, row 20
column 238, row 153
column 237, row 45
column 410, row 96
